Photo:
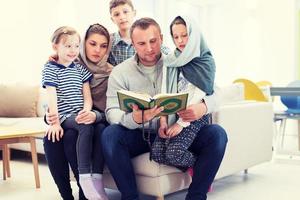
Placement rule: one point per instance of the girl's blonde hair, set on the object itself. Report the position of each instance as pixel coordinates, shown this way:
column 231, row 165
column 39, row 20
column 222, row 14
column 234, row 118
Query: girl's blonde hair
column 62, row 32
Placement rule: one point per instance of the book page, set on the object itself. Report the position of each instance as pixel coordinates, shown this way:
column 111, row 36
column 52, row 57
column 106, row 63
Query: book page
column 163, row 95
column 137, row 95
column 172, row 103
column 127, row 99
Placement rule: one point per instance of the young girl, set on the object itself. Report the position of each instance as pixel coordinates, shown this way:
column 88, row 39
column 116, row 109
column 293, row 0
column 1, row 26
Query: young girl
column 69, row 96
column 196, row 68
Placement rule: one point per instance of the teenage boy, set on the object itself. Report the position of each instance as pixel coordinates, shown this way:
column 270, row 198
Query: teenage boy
column 122, row 14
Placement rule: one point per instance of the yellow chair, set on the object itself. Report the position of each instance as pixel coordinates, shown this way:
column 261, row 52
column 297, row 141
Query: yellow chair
column 265, row 86
column 251, row 90
column 263, row 83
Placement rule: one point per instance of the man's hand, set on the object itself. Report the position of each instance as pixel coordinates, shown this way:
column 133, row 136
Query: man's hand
column 148, row 114
column 174, row 130
column 193, row 112
column 85, row 117
column 55, row 132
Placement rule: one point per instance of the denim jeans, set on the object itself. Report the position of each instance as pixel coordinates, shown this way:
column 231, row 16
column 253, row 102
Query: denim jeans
column 121, row 144
column 61, row 154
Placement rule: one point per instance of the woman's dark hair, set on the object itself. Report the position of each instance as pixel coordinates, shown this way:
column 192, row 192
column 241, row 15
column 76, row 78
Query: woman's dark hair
column 98, row 29
column 177, row 20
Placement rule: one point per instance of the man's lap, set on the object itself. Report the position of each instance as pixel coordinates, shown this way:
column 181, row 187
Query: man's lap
column 132, row 139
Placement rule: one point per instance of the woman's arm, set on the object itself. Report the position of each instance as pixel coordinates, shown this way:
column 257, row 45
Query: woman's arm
column 89, row 117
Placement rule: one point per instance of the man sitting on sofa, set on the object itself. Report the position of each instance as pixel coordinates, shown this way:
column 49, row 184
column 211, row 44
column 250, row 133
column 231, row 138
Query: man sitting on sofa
column 124, row 140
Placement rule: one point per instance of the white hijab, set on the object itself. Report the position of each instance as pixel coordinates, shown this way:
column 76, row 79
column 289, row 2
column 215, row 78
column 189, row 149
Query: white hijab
column 173, row 60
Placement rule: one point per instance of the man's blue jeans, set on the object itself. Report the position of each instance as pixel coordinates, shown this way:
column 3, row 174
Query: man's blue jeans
column 121, row 144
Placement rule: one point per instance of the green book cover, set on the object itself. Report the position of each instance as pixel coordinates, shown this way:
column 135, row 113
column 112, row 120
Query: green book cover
column 172, row 103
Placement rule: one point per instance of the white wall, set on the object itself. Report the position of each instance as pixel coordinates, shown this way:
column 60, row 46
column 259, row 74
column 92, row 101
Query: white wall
column 27, row 25
column 249, row 38
column 26, row 28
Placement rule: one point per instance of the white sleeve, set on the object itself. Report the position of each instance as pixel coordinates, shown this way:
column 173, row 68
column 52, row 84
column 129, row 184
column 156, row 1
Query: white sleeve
column 182, row 123
column 195, row 94
column 213, row 101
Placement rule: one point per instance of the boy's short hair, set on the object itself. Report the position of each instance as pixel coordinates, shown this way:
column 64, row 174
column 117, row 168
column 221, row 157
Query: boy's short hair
column 143, row 24
column 115, row 3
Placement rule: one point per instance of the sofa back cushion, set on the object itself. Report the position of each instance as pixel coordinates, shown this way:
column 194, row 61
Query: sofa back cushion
column 231, row 93
column 18, row 100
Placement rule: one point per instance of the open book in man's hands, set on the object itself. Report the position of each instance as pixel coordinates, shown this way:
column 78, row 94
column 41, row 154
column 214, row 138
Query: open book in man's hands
column 172, row 103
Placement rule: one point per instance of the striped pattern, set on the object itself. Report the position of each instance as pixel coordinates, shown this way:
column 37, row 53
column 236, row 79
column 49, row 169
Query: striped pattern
column 68, row 82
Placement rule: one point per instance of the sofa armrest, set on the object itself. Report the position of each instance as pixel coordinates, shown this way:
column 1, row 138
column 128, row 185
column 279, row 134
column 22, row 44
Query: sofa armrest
column 249, row 126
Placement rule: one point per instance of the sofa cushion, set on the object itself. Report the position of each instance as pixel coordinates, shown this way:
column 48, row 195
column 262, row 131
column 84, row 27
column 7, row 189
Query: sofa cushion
column 143, row 166
column 18, row 100
column 24, row 123
column 231, row 93
column 31, row 123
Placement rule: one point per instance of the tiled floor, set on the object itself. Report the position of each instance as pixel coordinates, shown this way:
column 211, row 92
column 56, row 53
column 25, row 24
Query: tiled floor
column 275, row 180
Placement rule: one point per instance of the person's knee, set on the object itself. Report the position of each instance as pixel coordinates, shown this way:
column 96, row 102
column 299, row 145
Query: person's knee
column 219, row 136
column 98, row 130
column 99, row 127
column 111, row 137
column 87, row 129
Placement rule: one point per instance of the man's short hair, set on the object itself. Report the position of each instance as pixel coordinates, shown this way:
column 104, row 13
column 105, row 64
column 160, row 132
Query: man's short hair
column 115, row 3
column 143, row 24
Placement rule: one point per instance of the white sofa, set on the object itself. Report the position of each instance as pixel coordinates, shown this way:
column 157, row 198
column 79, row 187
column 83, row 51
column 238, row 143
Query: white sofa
column 249, row 125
